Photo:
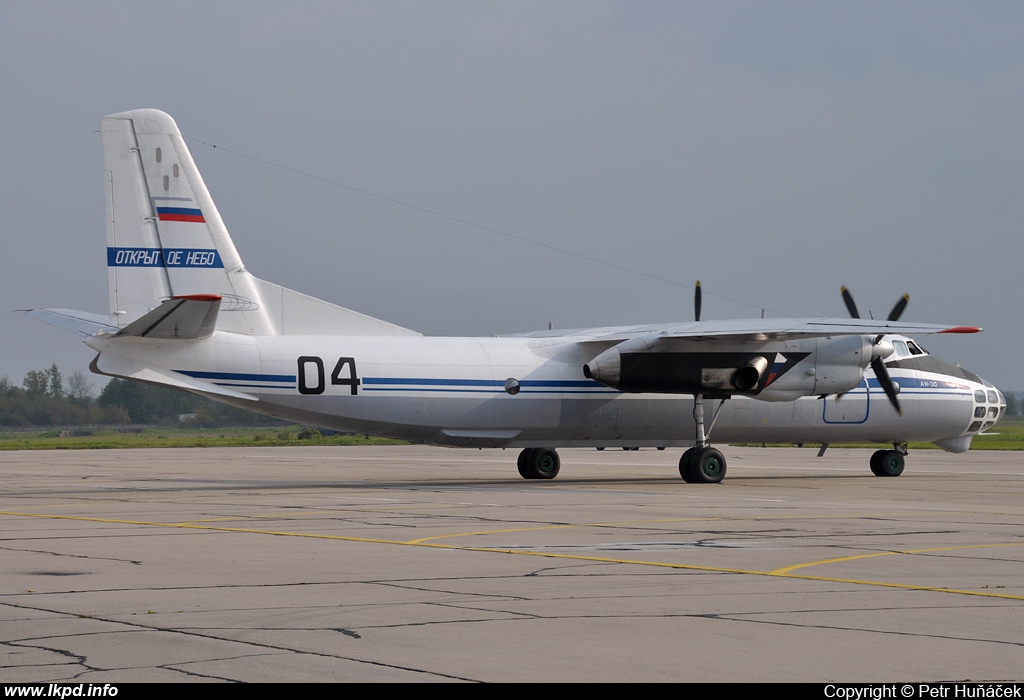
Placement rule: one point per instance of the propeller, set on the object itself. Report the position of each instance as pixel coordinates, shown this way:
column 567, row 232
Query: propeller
column 876, row 362
column 696, row 302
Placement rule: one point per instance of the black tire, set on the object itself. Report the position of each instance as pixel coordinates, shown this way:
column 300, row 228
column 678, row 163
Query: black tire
column 876, row 462
column 523, row 463
column 538, row 463
column 707, row 466
column 892, row 464
column 684, row 465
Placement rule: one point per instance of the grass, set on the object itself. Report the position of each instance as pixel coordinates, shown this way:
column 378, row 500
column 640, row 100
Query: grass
column 1008, row 435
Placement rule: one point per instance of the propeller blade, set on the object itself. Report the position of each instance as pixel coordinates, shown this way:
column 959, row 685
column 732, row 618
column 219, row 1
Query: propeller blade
column 883, row 377
column 897, row 310
column 696, row 302
column 848, row 300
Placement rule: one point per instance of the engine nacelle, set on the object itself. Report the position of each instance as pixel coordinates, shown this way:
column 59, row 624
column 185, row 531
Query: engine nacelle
column 658, row 365
column 645, row 365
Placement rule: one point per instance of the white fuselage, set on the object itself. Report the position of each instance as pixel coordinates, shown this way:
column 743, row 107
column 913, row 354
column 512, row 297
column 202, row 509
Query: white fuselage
column 452, row 391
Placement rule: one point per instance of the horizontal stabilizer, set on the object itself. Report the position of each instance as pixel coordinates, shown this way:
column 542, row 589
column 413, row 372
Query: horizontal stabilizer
column 119, row 367
column 78, row 322
column 183, row 318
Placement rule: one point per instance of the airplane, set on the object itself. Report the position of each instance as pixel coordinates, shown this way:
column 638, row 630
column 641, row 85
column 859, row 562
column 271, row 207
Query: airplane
column 185, row 313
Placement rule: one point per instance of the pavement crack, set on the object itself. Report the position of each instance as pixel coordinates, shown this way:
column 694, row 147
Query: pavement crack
column 70, row 556
column 894, row 633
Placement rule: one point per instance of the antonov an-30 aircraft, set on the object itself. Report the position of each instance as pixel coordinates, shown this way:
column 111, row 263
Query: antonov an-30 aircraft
column 185, row 313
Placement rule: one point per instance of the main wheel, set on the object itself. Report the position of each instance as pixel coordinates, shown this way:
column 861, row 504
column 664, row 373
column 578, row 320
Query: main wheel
column 539, row 463
column 876, row 462
column 684, row 465
column 707, row 466
column 891, row 464
column 523, row 462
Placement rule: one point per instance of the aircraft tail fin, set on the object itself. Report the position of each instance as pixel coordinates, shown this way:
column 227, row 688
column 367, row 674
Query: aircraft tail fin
column 166, row 240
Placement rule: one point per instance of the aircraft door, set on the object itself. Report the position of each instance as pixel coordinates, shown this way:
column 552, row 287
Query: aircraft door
column 851, row 407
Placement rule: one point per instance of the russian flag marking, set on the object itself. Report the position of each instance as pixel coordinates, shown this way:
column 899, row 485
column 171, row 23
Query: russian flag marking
column 180, row 214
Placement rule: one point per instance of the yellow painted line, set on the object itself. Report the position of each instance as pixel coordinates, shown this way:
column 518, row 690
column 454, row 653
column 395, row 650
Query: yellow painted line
column 786, row 570
column 529, row 553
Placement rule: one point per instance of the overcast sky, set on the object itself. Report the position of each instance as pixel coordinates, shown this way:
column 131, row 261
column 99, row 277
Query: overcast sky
column 772, row 150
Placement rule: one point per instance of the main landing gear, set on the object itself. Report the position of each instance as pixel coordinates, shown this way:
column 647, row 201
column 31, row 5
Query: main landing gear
column 538, row 463
column 702, row 464
column 889, row 462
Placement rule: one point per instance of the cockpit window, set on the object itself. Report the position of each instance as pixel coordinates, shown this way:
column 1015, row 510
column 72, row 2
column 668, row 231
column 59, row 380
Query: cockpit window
column 914, row 350
column 979, row 396
column 992, row 398
column 901, row 348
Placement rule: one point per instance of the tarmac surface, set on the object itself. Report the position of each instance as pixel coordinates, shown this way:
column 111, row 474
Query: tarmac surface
column 426, row 564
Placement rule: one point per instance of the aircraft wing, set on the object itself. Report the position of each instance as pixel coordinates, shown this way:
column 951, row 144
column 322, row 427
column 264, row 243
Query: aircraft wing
column 763, row 330
column 753, row 329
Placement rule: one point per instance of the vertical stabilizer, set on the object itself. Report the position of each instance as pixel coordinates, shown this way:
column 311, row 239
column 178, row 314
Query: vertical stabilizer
column 165, row 237
column 165, row 240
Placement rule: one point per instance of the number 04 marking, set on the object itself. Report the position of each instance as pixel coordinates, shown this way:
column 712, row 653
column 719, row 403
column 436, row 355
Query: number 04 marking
column 312, row 382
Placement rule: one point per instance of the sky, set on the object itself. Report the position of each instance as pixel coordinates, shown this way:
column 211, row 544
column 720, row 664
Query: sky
column 473, row 168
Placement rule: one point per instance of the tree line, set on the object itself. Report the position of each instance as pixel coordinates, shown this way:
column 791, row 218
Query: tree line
column 46, row 398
